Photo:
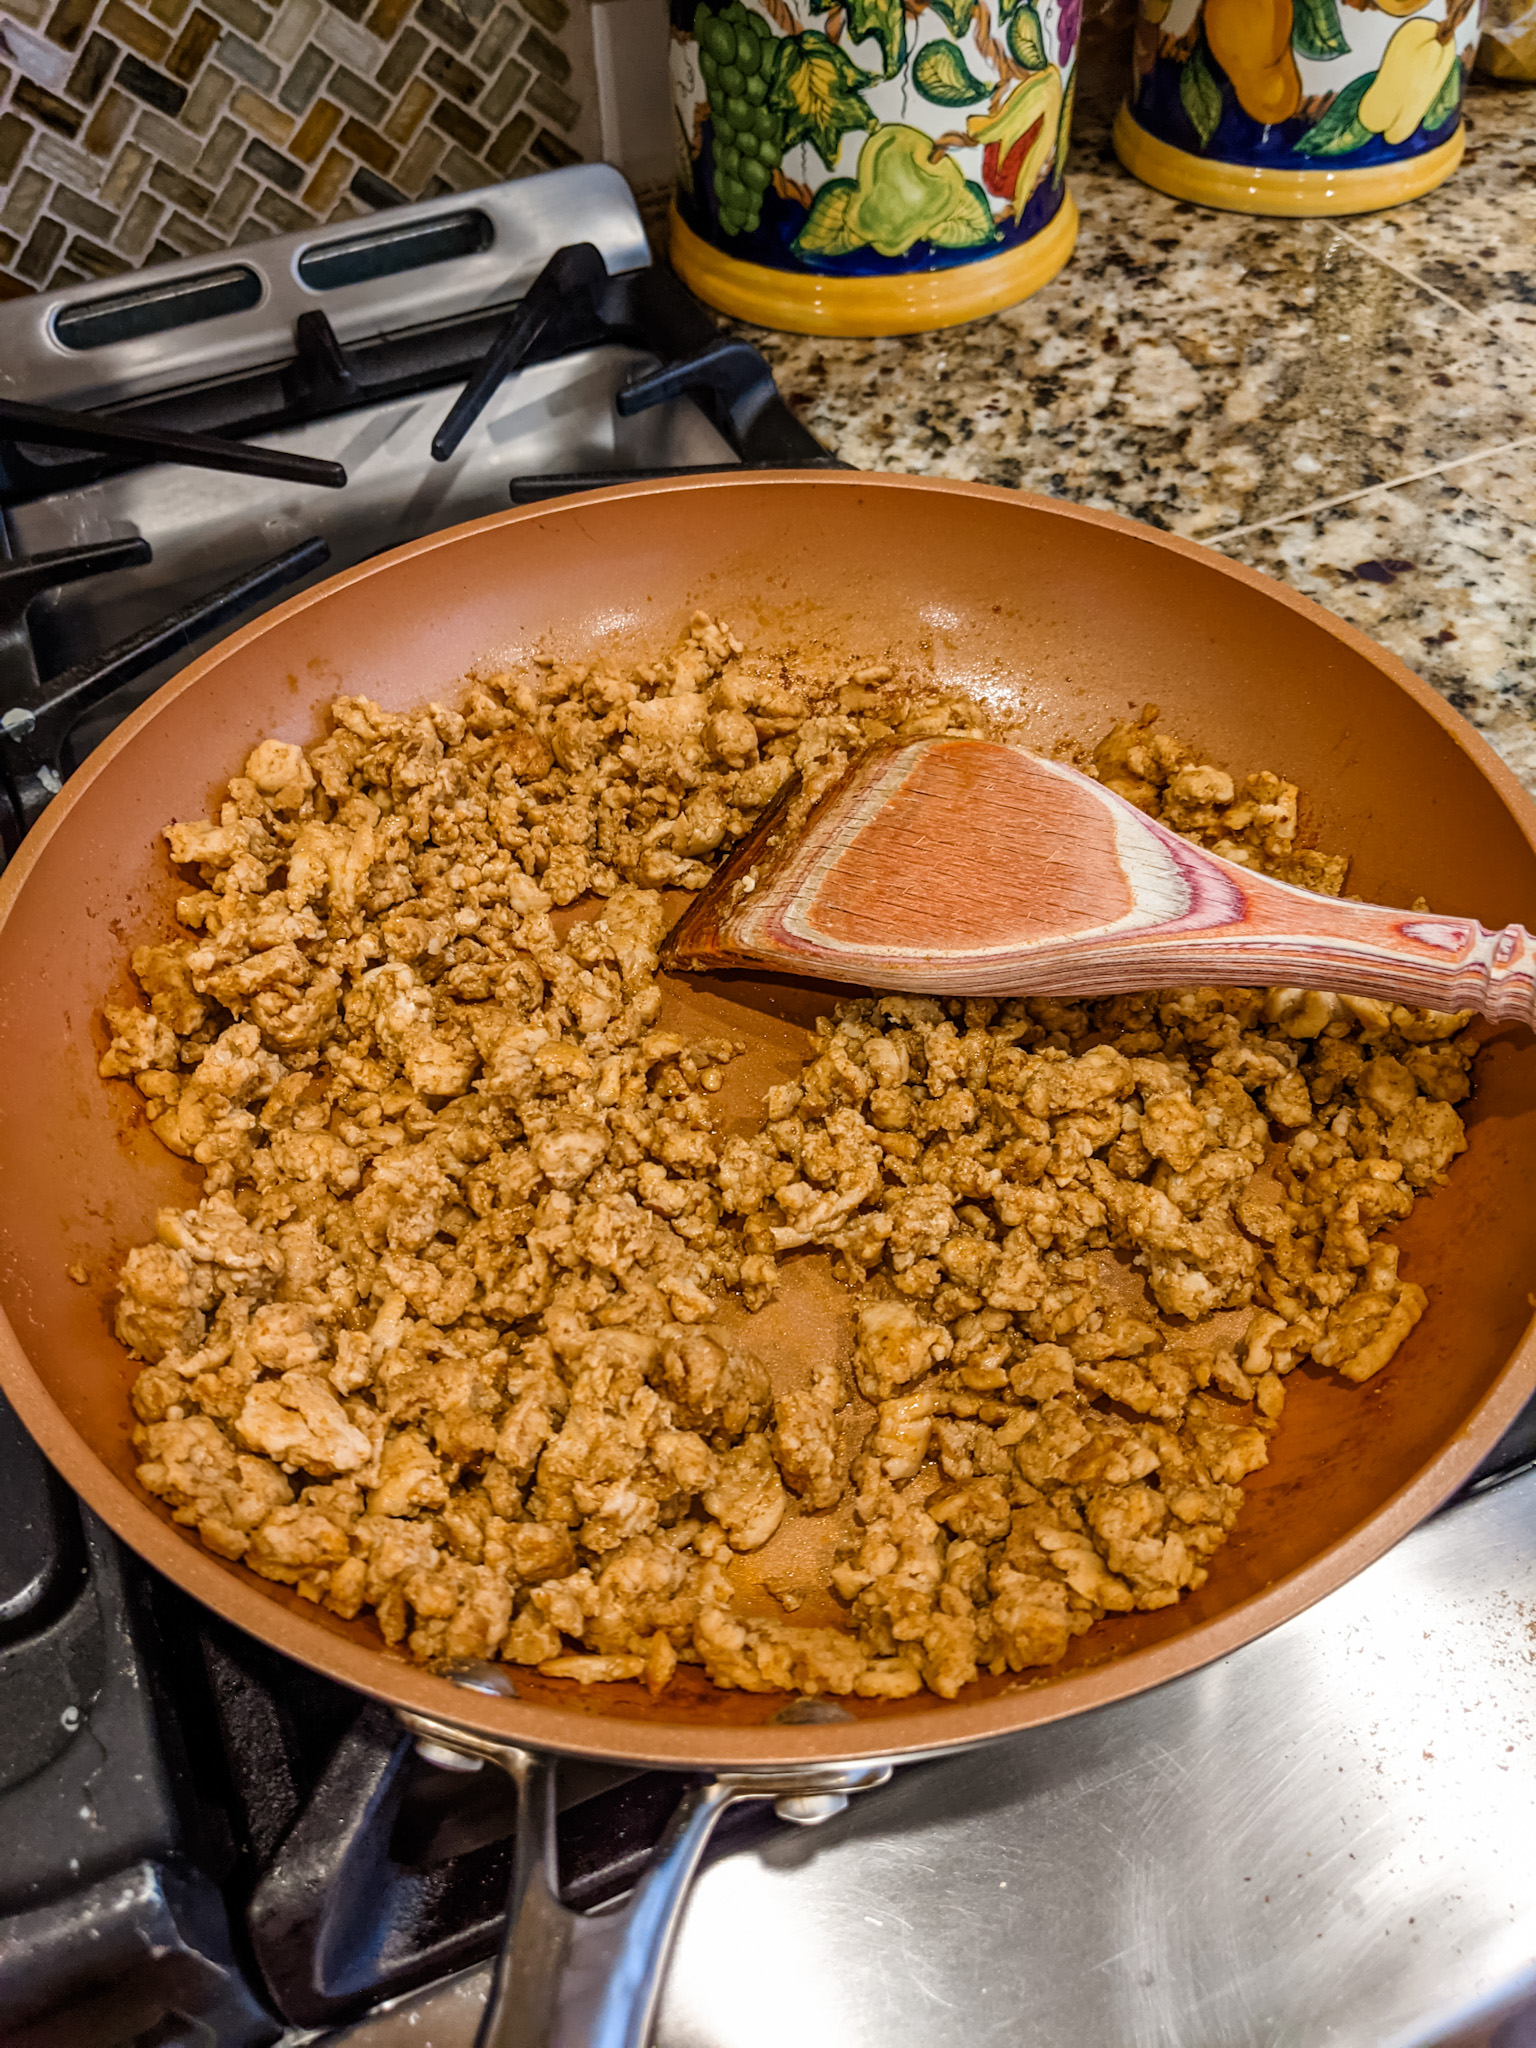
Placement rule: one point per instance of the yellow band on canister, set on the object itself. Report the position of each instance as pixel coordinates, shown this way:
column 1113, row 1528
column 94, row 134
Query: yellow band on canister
column 805, row 302
column 1245, row 188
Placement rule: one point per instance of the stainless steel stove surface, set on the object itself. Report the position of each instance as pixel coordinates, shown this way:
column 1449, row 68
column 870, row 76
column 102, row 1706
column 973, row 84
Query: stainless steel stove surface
column 1325, row 1839
column 331, row 360
column 554, row 416
column 1329, row 1837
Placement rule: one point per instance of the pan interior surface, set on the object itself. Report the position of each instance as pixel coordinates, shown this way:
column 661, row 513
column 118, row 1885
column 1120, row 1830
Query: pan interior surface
column 1059, row 622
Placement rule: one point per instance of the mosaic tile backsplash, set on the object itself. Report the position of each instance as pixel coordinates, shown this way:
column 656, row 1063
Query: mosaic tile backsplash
column 135, row 133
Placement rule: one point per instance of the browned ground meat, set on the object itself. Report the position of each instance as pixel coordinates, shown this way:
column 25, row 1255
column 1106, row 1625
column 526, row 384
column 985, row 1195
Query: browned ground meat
column 441, row 1338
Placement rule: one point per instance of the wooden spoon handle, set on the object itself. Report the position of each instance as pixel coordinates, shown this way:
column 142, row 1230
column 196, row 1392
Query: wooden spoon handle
column 1431, row 963
column 969, row 867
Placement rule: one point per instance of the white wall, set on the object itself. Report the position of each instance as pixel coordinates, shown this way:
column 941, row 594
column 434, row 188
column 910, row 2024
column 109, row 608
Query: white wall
column 629, row 48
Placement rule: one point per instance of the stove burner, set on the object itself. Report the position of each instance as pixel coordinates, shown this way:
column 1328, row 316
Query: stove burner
column 35, row 727
column 112, row 1922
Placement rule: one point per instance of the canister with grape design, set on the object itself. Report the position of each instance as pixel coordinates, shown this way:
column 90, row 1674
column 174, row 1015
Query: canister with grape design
column 871, row 166
column 1298, row 106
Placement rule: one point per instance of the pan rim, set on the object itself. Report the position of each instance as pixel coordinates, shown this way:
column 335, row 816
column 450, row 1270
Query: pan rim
column 383, row 1675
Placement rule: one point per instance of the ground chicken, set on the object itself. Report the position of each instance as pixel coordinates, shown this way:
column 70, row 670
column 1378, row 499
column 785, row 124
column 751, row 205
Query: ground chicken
column 447, row 1339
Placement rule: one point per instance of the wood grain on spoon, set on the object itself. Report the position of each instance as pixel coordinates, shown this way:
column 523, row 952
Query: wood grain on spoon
column 971, row 867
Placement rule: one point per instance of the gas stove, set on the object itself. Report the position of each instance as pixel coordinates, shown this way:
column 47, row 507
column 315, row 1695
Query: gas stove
column 1325, row 1838
column 367, row 386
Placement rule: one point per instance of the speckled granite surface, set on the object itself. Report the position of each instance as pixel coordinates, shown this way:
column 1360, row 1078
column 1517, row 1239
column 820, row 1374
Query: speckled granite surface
column 1350, row 407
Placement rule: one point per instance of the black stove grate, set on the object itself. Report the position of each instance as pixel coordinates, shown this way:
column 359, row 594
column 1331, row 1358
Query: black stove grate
column 643, row 309
column 40, row 717
column 113, row 1923
column 572, row 305
column 204, row 1835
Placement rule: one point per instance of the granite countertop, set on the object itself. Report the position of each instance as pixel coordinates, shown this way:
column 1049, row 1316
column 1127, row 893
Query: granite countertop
column 1349, row 406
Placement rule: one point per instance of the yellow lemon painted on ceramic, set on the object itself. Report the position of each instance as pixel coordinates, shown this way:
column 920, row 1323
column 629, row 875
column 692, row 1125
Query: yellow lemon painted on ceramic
column 1412, row 72
column 1251, row 41
column 1401, row 6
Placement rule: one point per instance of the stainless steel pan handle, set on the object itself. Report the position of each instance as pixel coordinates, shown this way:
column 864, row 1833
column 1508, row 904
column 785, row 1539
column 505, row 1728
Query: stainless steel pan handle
column 592, row 1980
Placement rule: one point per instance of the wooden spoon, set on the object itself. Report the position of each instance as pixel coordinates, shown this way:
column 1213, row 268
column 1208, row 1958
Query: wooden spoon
column 970, row 867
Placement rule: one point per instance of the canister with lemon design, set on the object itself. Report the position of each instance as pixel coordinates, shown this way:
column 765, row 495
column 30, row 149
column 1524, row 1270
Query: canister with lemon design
column 871, row 166
column 1298, row 106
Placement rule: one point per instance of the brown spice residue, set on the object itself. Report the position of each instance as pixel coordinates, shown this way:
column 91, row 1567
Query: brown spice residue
column 443, row 1339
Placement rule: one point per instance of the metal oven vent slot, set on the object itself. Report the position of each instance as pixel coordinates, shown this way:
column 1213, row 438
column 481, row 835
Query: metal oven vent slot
column 389, row 251
column 156, row 308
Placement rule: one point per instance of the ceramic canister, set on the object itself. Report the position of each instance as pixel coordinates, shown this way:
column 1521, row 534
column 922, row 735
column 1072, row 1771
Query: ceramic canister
column 1298, row 106
column 871, row 166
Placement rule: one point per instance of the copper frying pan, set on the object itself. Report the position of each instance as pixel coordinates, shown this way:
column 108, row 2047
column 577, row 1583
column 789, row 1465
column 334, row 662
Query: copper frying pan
column 1066, row 619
